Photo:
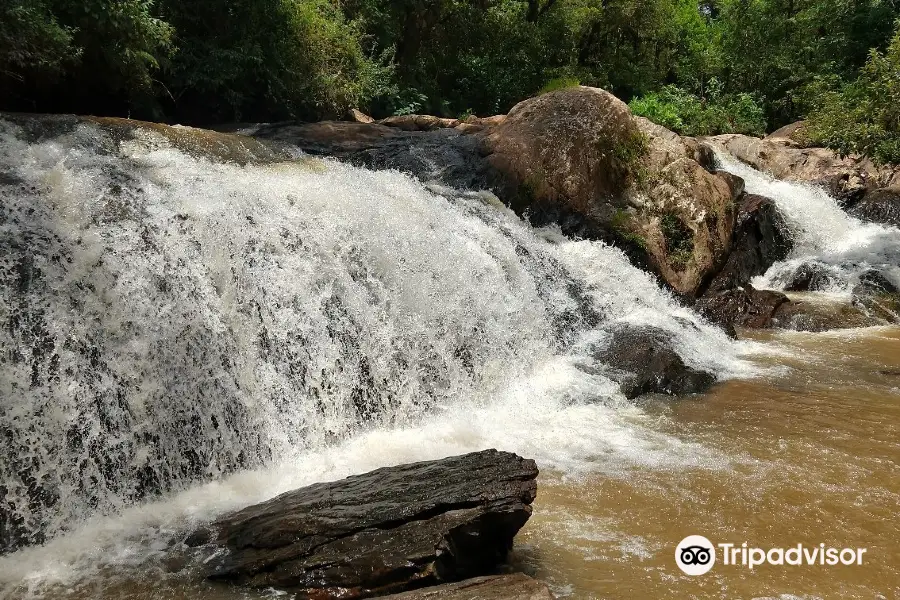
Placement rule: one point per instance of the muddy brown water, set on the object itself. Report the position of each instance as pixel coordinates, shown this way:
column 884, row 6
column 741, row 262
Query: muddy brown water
column 810, row 454
column 815, row 458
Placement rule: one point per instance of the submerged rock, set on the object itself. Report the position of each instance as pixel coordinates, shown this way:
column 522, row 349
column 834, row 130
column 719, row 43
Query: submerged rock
column 810, row 277
column 741, row 307
column 386, row 531
column 494, row 587
column 642, row 360
column 817, row 314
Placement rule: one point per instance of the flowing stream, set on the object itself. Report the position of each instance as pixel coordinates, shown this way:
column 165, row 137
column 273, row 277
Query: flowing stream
column 841, row 248
column 182, row 337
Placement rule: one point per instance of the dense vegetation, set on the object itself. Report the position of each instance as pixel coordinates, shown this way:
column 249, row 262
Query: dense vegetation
column 720, row 65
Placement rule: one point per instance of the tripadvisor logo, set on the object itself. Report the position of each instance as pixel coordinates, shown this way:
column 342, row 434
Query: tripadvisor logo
column 696, row 555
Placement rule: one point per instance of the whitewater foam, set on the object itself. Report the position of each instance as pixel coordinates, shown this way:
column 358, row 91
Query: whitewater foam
column 825, row 237
column 173, row 320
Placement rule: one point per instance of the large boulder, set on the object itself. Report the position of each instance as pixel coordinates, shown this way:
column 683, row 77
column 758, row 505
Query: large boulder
column 576, row 149
column 792, row 134
column 578, row 157
column 810, row 313
column 386, row 531
column 493, row 587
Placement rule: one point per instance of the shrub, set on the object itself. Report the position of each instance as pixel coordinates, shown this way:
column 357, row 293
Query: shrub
column 559, row 83
column 689, row 114
column 99, row 52
column 862, row 117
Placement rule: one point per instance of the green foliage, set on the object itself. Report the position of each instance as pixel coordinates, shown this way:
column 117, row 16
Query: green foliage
column 679, row 239
column 696, row 66
column 97, row 47
column 279, row 58
column 559, row 83
column 689, row 114
column 32, row 40
column 775, row 48
column 863, row 116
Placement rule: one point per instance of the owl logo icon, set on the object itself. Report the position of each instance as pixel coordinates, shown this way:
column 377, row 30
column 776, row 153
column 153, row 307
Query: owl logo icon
column 695, row 555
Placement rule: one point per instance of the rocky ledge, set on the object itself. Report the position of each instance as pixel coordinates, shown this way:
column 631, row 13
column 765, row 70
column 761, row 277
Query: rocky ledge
column 391, row 530
column 495, row 587
column 869, row 191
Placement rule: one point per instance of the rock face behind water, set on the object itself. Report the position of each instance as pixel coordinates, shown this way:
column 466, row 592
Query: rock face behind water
column 575, row 157
column 847, row 178
column 390, row 530
column 761, row 239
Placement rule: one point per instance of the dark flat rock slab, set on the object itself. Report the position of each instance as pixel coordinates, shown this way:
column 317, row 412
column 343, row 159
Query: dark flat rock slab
column 496, row 587
column 390, row 530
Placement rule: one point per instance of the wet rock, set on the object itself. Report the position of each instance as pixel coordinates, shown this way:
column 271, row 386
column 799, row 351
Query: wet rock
column 761, row 238
column 448, row 156
column 874, row 282
column 386, row 531
column 741, row 307
column 814, row 315
column 878, row 296
column 879, row 206
column 810, row 277
column 643, row 361
column 493, row 587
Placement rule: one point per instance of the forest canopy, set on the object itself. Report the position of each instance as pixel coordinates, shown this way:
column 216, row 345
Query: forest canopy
column 715, row 66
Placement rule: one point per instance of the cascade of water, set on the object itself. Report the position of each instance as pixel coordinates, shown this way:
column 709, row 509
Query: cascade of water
column 826, row 239
column 167, row 320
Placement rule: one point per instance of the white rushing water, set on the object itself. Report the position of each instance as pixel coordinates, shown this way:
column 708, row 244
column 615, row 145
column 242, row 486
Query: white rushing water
column 827, row 240
column 169, row 321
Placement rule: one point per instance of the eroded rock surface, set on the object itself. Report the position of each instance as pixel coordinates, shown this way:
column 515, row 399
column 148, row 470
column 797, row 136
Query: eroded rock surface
column 386, row 531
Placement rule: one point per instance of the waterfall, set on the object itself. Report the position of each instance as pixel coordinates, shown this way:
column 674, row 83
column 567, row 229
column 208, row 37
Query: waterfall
column 169, row 320
column 841, row 248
